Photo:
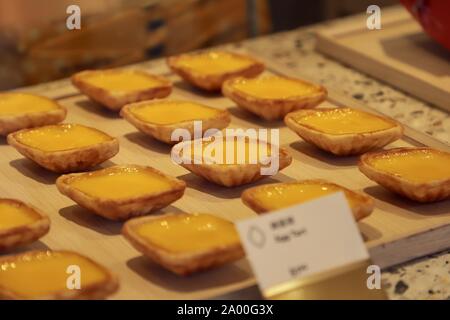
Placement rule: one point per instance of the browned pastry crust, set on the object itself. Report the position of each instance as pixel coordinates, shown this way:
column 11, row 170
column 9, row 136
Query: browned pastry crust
column 213, row 82
column 232, row 175
column 22, row 235
column 164, row 132
column 67, row 160
column 14, row 123
column 180, row 263
column 98, row 290
column 421, row 192
column 361, row 210
column 273, row 109
column 123, row 209
column 116, row 100
column 344, row 144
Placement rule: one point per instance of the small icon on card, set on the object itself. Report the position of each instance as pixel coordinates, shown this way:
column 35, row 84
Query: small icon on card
column 256, row 237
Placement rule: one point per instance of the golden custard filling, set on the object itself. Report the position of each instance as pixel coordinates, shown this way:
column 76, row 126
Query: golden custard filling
column 213, row 62
column 184, row 233
column 13, row 214
column 229, row 150
column 122, row 81
column 121, row 183
column 170, row 112
column 278, row 196
column 61, row 137
column 343, row 121
column 272, row 87
column 13, row 104
column 420, row 166
column 42, row 273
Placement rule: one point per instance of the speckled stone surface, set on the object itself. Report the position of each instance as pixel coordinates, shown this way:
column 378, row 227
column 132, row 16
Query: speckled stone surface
column 426, row 278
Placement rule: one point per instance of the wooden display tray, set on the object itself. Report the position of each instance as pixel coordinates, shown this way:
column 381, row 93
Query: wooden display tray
column 401, row 54
column 398, row 230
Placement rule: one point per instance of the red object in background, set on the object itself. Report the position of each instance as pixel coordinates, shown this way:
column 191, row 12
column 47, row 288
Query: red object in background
column 434, row 16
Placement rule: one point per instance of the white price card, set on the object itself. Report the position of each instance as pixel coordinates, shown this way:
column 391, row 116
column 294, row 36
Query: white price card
column 302, row 240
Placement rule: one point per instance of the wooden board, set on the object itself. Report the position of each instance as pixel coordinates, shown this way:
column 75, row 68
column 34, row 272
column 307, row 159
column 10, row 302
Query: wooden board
column 400, row 54
column 74, row 228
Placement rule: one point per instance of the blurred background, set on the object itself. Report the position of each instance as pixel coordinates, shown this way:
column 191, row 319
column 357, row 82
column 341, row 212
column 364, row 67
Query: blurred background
column 36, row 46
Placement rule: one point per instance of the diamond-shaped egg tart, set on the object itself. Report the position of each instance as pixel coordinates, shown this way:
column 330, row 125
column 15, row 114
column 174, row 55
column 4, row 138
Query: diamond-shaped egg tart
column 65, row 147
column 343, row 131
column 208, row 70
column 23, row 110
column 121, row 192
column 272, row 97
column 420, row 174
column 115, row 88
column 46, row 275
column 275, row 196
column 185, row 243
column 160, row 118
column 20, row 224
column 231, row 160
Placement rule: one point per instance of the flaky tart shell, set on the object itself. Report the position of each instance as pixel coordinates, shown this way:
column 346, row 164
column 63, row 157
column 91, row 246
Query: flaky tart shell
column 421, row 192
column 127, row 208
column 180, row 263
column 232, row 175
column 115, row 101
column 12, row 123
column 213, row 82
column 12, row 238
column 360, row 211
column 344, row 144
column 94, row 291
column 70, row 160
column 164, row 132
column 273, row 109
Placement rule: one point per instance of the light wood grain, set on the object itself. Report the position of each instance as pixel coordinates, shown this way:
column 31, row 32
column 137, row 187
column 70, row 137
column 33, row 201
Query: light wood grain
column 400, row 54
column 76, row 229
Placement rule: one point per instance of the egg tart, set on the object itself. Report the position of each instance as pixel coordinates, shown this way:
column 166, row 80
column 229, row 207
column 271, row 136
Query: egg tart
column 45, row 275
column 20, row 224
column 121, row 192
column 185, row 243
column 420, row 174
column 114, row 88
column 343, row 131
column 23, row 110
column 231, row 160
column 208, row 70
column 64, row 147
column 272, row 97
column 160, row 118
column 275, row 196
